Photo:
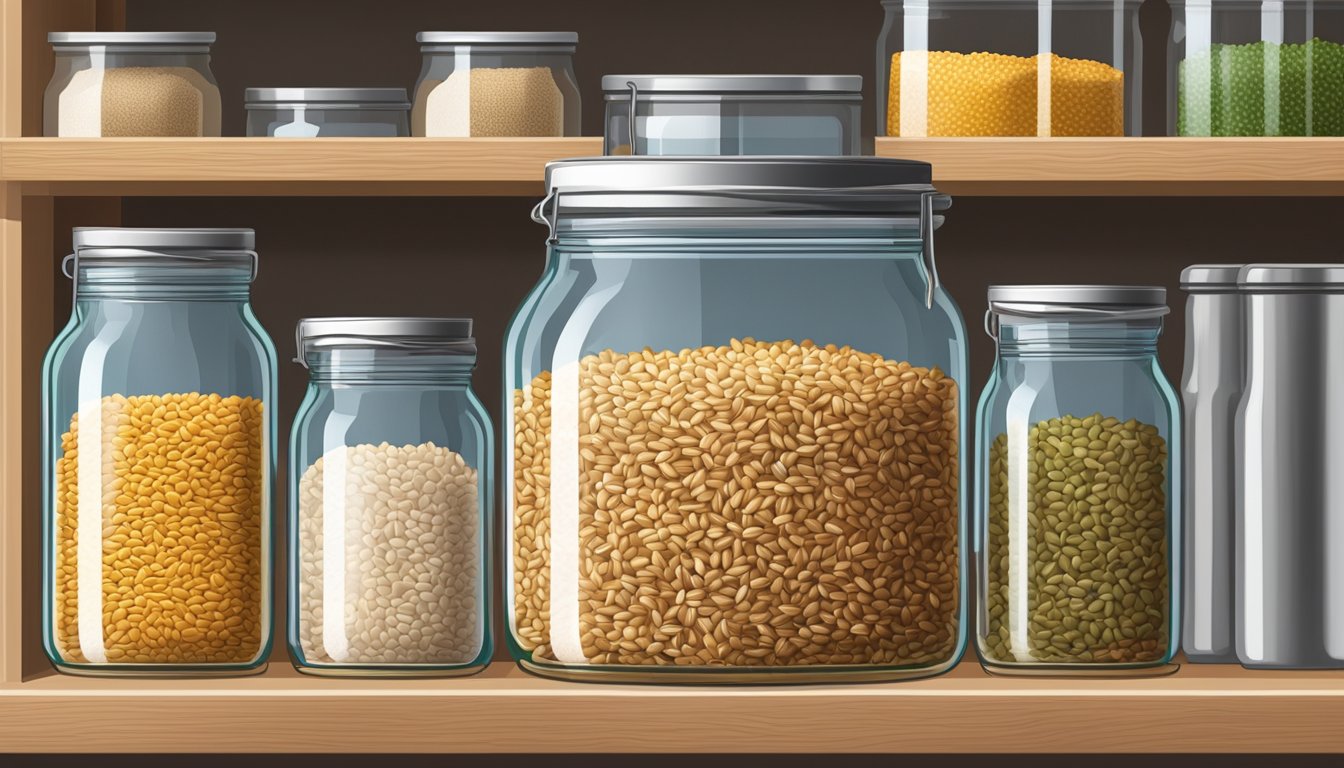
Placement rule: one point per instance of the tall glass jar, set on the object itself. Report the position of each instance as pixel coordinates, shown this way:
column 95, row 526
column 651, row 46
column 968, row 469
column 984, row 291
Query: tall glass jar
column 159, row 455
column 1252, row 68
column 1010, row 68
column 734, row 404
column 389, row 501
column 497, row 84
column 1079, row 484
column 132, row 84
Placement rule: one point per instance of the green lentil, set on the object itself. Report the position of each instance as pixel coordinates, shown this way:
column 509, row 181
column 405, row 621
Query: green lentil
column 1096, row 545
column 1232, row 90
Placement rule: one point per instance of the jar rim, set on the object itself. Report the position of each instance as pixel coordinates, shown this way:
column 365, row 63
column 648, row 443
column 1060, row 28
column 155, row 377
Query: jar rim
column 417, row 335
column 132, row 39
column 780, row 85
column 1079, row 302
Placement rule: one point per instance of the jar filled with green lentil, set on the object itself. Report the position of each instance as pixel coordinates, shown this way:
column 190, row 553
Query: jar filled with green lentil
column 1077, row 490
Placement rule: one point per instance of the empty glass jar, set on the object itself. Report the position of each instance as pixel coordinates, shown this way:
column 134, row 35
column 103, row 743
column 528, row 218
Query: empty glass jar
column 1009, row 68
column 132, row 84
column 390, row 500
column 1078, row 484
column 308, row 112
column 159, row 458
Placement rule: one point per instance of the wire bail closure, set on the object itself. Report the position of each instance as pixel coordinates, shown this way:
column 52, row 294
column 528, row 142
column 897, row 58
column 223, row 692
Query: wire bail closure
column 930, row 261
column 540, row 216
column 70, row 268
column 634, row 107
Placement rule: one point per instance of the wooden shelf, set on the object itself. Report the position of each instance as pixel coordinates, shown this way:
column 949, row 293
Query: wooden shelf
column 1199, row 709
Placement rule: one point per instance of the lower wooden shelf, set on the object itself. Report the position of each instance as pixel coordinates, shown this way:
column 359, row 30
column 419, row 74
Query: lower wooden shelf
column 1198, row 709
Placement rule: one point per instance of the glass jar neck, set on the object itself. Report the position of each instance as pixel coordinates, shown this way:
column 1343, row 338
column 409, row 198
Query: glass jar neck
column 388, row 367
column 166, row 281
column 1119, row 339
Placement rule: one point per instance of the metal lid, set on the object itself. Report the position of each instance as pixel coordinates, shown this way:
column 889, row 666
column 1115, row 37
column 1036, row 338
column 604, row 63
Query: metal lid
column 782, row 84
column 497, row 38
column 1291, row 277
column 164, row 239
column 430, row 335
column 1198, row 278
column 381, row 98
column 1100, row 302
column 131, row 38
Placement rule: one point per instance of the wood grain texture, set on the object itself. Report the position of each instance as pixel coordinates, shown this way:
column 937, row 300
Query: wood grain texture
column 504, row 710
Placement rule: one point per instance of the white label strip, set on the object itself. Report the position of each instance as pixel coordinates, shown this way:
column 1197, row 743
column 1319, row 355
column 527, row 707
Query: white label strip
column 1198, row 85
column 914, row 106
column 335, row 477
column 1044, row 22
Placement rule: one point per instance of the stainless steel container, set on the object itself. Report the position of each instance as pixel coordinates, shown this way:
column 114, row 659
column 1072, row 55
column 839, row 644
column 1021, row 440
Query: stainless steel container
column 1290, row 441
column 1210, row 390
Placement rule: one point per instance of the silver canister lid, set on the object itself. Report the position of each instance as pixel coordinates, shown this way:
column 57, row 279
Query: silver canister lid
column 164, row 239
column 498, row 38
column 429, row 335
column 618, row 86
column 1210, row 278
column 1292, row 278
column 328, row 98
column 1079, row 302
column 132, row 38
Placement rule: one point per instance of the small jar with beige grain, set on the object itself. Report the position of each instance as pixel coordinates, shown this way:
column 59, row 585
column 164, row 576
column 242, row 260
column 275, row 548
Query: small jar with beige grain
column 159, row 459
column 1079, row 484
column 132, row 84
column 390, row 501
column 734, row 407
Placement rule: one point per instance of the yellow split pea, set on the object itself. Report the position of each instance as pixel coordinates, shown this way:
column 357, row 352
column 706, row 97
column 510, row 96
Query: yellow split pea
column 181, row 532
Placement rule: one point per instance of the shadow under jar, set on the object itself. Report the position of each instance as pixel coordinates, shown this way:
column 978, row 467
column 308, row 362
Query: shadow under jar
column 734, row 404
column 159, row 459
column 1077, row 490
column 390, row 478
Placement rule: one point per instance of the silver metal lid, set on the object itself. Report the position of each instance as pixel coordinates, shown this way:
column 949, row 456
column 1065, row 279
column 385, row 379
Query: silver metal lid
column 428, row 335
column 164, row 239
column 1210, row 277
column 497, row 38
column 131, row 38
column 782, row 84
column 1100, row 302
column 1291, row 277
column 382, row 98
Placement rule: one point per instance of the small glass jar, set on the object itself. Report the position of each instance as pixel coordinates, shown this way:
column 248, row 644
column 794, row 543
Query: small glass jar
column 733, row 114
column 1078, row 484
column 308, row 112
column 1009, row 68
column 497, row 84
column 159, row 458
column 1252, row 68
column 390, row 498
column 132, row 84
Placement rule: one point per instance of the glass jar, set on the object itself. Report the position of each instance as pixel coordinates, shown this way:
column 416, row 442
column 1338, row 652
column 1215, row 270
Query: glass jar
column 1251, row 68
column 1009, row 68
column 734, row 403
column 132, row 84
column 497, row 84
column 389, row 501
column 733, row 114
column 307, row 112
column 1077, row 536
column 159, row 458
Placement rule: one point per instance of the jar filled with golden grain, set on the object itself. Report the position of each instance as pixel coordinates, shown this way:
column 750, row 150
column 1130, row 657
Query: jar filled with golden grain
column 159, row 458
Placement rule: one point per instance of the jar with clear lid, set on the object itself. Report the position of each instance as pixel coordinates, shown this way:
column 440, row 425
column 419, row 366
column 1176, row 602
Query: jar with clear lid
column 497, row 84
column 1009, row 68
column 159, row 459
column 734, row 406
column 390, row 500
column 1079, row 482
column 1252, row 68
column 309, row 112
column 132, row 84
column 733, row 114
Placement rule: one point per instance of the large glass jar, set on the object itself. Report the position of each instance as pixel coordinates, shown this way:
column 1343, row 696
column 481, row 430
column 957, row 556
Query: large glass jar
column 1009, row 68
column 735, row 409
column 1078, row 484
column 389, row 501
column 132, row 84
column 159, row 458
column 1252, row 68
column 497, row 84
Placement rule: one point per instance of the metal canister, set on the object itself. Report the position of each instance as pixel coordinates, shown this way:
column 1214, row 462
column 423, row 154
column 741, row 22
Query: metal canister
column 1290, row 444
column 1210, row 390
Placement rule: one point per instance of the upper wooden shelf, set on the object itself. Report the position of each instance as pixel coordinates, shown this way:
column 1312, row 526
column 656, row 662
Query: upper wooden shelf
column 1118, row 167
column 1199, row 709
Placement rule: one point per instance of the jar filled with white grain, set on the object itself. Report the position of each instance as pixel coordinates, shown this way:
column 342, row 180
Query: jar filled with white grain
column 496, row 84
column 132, row 84
column 390, row 493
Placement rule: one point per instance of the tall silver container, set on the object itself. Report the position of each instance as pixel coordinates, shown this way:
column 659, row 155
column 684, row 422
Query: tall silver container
column 1210, row 390
column 1290, row 440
